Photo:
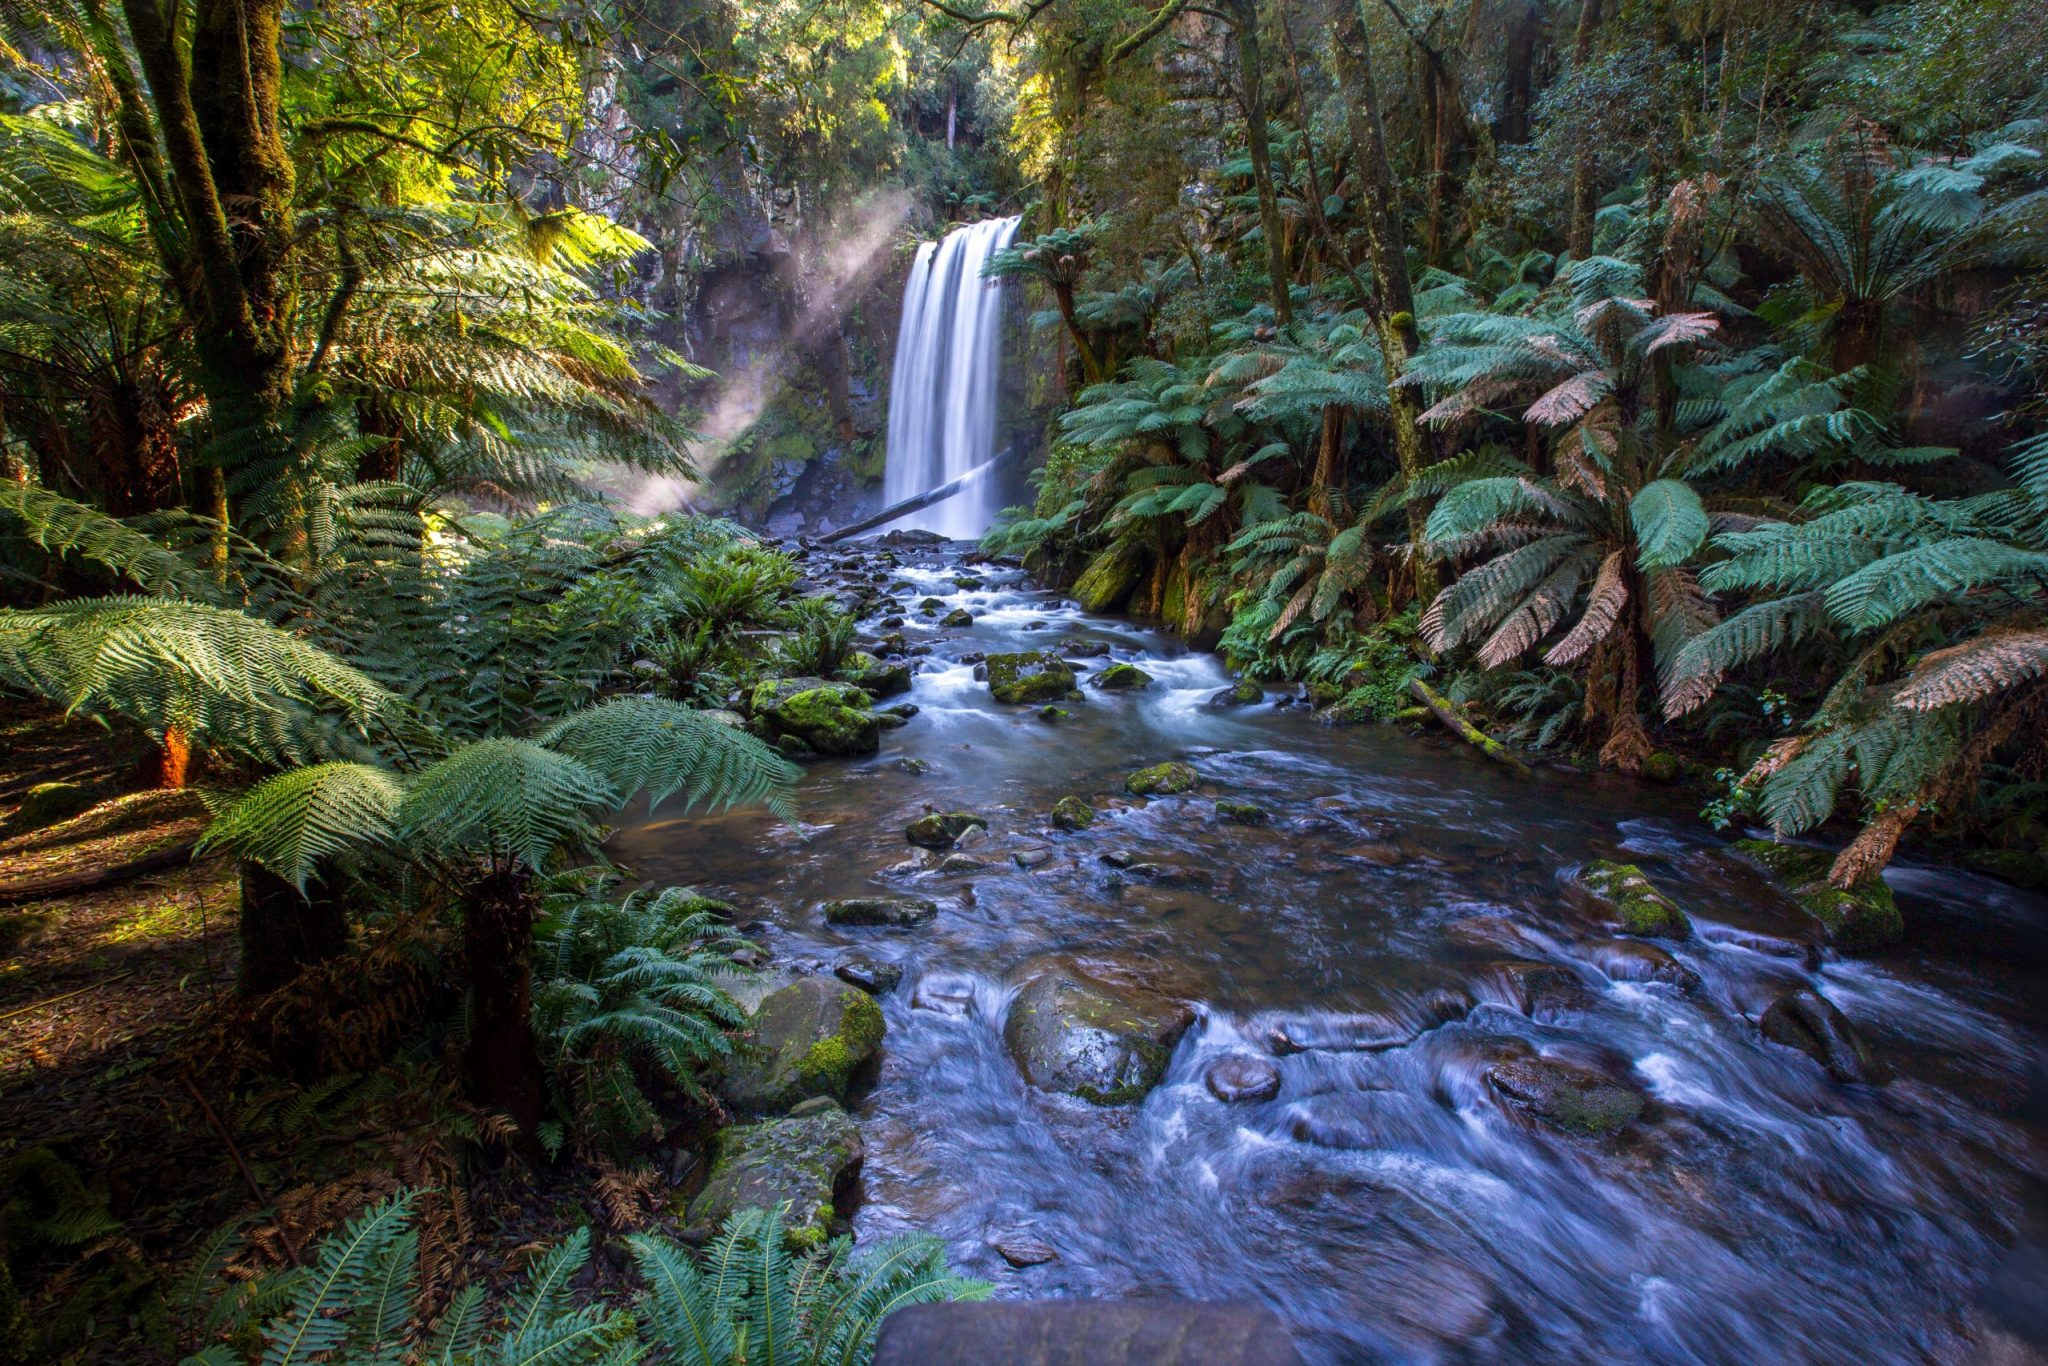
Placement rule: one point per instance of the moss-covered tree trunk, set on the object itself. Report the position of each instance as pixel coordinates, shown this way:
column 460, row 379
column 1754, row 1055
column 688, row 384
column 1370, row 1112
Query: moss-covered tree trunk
column 1580, row 235
column 1387, row 257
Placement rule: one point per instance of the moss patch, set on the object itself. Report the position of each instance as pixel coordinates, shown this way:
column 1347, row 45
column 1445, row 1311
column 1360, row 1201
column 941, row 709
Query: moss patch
column 1123, row 678
column 1859, row 918
column 1029, row 677
column 1109, row 578
column 1626, row 892
column 1162, row 780
column 1071, row 813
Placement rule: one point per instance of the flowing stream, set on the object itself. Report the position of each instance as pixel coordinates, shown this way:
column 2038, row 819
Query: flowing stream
column 942, row 394
column 1388, row 1203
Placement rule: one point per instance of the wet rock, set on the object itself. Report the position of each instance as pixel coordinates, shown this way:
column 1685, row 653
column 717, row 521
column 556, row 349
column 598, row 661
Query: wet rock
column 961, row 863
column 942, row 830
column 1625, row 893
column 1072, row 813
column 1052, row 713
column 958, row 617
column 801, row 1160
column 790, row 747
column 830, row 718
column 1036, row 856
column 1075, row 647
column 1631, row 960
column 1162, row 780
column 1119, row 858
column 1539, row 990
column 1243, row 693
column 889, row 720
column 1109, row 578
column 874, row 977
column 914, row 767
column 931, row 607
column 969, row 582
column 1379, row 854
column 1576, row 1099
column 1168, row 874
column 808, row 1039
column 1862, row 918
column 1123, row 678
column 912, row 538
column 874, row 677
column 906, row 710
column 1366, row 1031
column 894, row 911
column 1806, row 1020
column 1242, row 1079
column 2021, row 867
column 1107, row 1045
column 1021, row 1249
column 1029, row 676
column 1241, row 813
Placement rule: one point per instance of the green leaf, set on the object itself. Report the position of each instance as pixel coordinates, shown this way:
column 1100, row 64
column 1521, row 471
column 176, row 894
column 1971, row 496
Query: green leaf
column 1670, row 521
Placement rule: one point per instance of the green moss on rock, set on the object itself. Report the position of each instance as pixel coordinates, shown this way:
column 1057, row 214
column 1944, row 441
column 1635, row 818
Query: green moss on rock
column 1123, row 678
column 1162, row 780
column 800, row 1160
column 942, row 829
column 808, row 1039
column 1072, row 813
column 1241, row 813
column 1109, row 578
column 1626, row 892
column 875, row 677
column 1105, row 1045
column 1575, row 1099
column 1029, row 676
column 830, row 718
column 1862, row 917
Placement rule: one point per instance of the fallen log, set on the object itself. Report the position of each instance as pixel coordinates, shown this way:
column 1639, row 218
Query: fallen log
column 92, row 879
column 1446, row 713
column 915, row 502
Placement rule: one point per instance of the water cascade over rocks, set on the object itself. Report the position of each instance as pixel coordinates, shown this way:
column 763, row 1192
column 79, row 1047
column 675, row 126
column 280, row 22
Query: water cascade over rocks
column 1381, row 1061
column 942, row 393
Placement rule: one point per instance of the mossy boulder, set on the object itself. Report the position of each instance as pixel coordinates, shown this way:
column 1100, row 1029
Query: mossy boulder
column 1576, row 1099
column 875, row 677
column 2021, row 867
column 1109, row 578
column 802, row 1160
column 1626, row 894
column 829, row 718
column 48, row 803
column 1108, row 1046
column 942, row 829
column 1662, row 766
column 1162, row 780
column 1862, row 917
column 808, row 1039
column 958, row 617
column 1241, row 813
column 1806, row 1020
column 1243, row 693
column 1029, row 676
column 1072, row 813
column 899, row 912
column 1123, row 678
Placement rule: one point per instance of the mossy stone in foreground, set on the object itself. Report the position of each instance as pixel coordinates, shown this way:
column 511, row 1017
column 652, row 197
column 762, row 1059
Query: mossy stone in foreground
column 1243, row 693
column 1071, row 813
column 1029, row 676
column 875, row 677
column 808, row 1040
column 1123, row 678
column 1861, row 918
column 897, row 911
column 799, row 1160
column 1573, row 1098
column 831, row 718
column 1109, row 578
column 1162, row 780
column 1107, row 1046
column 1626, row 892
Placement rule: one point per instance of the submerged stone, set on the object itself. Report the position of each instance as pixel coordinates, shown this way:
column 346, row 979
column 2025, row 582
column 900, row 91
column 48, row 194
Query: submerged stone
column 941, row 830
column 875, row 978
column 875, row 677
column 808, row 1039
column 1241, row 813
column 1021, row 1250
column 1626, row 893
column 1630, row 960
column 1862, row 917
column 1106, row 1045
column 1806, row 1020
column 1241, row 1079
column 1162, row 780
column 897, row 911
column 1029, row 676
column 1243, row 693
column 801, row 1161
column 1576, row 1099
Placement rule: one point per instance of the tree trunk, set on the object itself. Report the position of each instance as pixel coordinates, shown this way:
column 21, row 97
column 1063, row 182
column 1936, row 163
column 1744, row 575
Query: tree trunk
column 1331, row 476
column 1251, row 80
column 134, row 442
column 502, row 1066
column 1580, row 236
column 1387, row 252
column 1091, row 368
column 284, row 933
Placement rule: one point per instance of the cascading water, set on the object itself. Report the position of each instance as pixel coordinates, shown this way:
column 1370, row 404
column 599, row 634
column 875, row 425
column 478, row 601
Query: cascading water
column 942, row 396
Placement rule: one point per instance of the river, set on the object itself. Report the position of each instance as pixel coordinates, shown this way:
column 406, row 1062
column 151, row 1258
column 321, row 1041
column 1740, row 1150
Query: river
column 1389, row 1203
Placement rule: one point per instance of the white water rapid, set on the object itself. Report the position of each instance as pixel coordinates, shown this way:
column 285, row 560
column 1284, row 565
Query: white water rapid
column 942, row 395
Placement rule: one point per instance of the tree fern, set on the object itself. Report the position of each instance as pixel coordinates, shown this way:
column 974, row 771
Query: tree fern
column 296, row 821
column 504, row 797
column 662, row 748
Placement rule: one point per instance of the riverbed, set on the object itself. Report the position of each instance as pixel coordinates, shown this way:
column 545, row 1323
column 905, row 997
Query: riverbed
column 1389, row 1202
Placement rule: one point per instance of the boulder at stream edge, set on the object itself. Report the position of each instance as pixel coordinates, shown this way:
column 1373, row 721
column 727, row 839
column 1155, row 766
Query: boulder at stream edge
column 802, row 1160
column 809, row 1039
column 1105, row 1044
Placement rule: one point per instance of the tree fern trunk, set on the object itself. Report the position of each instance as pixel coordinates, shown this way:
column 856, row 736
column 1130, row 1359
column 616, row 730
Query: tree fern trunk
column 502, row 1066
column 174, row 759
column 283, row 933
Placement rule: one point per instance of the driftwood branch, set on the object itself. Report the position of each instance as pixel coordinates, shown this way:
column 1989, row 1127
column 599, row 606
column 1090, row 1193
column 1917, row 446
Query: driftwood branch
column 1446, row 713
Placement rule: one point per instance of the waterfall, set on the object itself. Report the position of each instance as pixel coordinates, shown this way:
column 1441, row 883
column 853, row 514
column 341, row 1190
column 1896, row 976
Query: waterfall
column 942, row 396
